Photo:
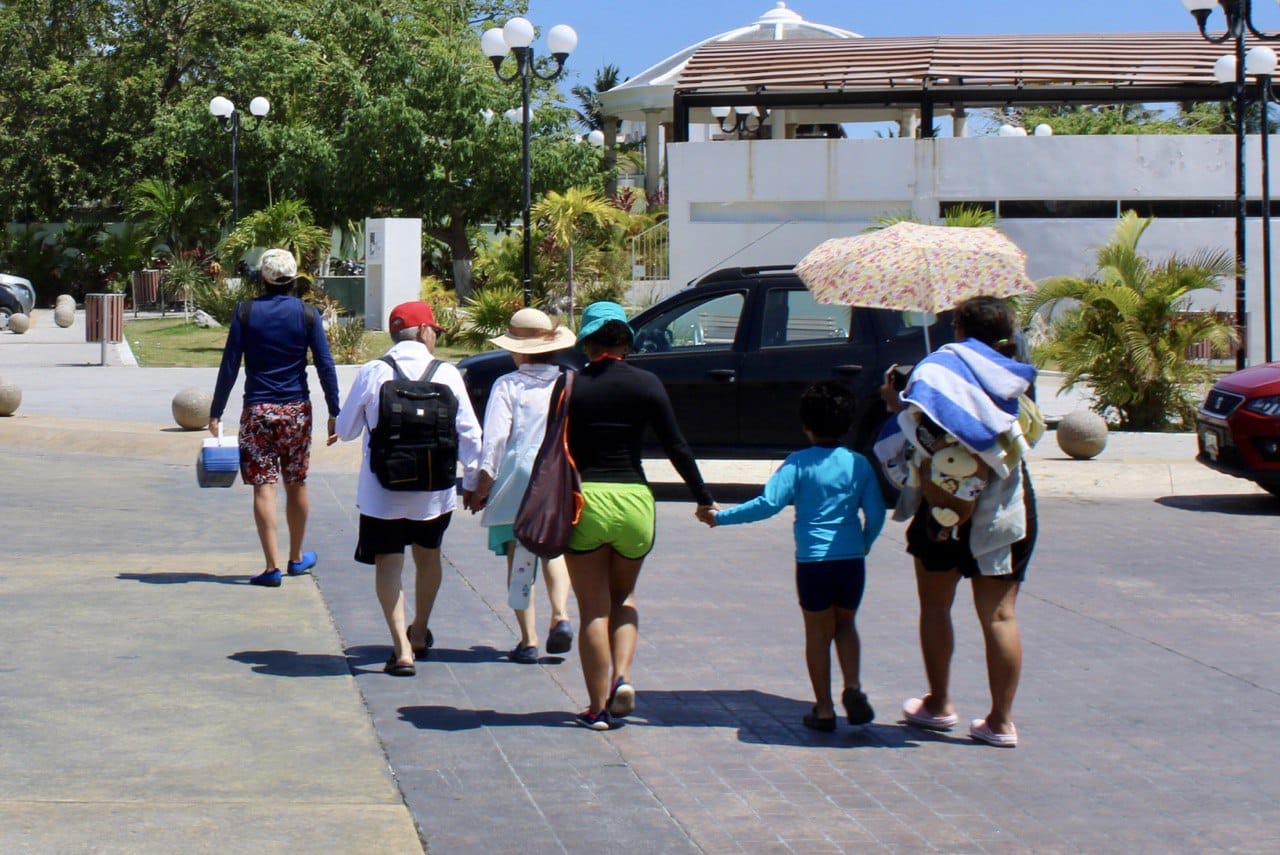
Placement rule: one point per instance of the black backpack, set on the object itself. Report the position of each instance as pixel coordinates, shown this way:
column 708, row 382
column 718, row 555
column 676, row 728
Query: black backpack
column 415, row 444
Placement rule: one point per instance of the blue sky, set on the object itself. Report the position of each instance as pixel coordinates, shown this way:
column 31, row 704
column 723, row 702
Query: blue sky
column 637, row 34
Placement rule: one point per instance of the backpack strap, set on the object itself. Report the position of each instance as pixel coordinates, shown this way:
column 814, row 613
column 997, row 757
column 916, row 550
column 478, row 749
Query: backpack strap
column 431, row 370
column 400, row 375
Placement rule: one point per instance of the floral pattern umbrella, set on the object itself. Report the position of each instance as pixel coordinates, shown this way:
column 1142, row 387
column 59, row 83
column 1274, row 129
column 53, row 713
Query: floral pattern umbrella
column 911, row 267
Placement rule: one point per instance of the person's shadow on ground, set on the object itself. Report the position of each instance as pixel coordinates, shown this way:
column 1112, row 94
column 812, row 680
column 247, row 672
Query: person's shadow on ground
column 365, row 658
column 762, row 718
column 290, row 663
column 452, row 719
column 1247, row 505
column 171, row 578
column 759, row 718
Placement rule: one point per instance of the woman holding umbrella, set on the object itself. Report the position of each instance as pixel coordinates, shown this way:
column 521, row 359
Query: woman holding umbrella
column 963, row 403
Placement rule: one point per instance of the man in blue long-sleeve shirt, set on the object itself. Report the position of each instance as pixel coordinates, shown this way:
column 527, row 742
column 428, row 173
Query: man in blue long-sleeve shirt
column 273, row 338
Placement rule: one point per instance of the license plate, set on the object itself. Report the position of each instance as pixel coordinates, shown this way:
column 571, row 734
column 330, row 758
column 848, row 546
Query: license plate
column 1209, row 439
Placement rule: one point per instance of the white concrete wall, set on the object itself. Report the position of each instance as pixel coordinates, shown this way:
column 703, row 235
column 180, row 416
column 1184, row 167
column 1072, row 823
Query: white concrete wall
column 771, row 201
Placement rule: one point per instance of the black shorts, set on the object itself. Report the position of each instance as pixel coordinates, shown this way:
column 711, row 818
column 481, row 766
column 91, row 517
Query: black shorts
column 824, row 584
column 949, row 555
column 390, row 537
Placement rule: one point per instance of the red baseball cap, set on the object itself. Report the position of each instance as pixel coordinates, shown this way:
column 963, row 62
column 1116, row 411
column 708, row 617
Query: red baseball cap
column 413, row 314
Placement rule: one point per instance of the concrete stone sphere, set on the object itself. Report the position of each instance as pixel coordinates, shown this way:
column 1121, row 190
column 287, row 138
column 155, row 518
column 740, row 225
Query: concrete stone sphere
column 1082, row 434
column 19, row 323
column 65, row 300
column 64, row 314
column 191, row 408
column 10, row 397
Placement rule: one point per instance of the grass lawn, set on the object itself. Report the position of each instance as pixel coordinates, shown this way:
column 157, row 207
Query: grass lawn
column 174, row 343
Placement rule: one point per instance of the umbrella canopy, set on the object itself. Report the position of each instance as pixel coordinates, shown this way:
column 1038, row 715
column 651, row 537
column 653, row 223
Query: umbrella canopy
column 915, row 268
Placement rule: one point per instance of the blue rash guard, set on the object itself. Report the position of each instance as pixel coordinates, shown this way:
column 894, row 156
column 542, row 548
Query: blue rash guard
column 275, row 348
column 829, row 486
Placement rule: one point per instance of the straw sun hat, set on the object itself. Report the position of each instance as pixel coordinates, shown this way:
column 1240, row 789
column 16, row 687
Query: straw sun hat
column 532, row 331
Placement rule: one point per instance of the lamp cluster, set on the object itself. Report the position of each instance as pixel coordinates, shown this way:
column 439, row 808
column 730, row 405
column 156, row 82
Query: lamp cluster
column 1235, row 68
column 515, row 38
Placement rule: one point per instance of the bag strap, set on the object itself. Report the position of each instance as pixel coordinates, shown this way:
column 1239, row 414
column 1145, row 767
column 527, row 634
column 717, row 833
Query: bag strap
column 399, row 375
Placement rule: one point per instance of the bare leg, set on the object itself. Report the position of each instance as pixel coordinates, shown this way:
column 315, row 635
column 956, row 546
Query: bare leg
column 819, row 629
column 848, row 647
column 624, row 618
column 425, row 587
column 994, row 598
column 937, row 592
column 390, row 589
column 525, row 618
column 590, row 576
column 556, row 576
column 296, row 508
column 264, row 516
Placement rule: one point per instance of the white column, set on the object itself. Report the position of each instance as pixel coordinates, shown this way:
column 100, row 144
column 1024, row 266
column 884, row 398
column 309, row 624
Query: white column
column 652, row 150
column 960, row 122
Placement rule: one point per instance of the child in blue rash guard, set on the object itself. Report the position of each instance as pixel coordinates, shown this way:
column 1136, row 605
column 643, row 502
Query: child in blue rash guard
column 829, row 486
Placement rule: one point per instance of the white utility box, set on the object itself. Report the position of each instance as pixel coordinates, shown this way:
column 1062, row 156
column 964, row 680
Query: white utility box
column 392, row 267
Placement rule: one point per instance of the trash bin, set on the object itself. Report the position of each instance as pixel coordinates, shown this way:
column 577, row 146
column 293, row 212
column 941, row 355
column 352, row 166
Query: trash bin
column 104, row 313
column 146, row 288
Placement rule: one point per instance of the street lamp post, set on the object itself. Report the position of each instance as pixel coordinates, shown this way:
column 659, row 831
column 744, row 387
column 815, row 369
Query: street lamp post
column 229, row 119
column 516, row 38
column 1239, row 16
column 1261, row 62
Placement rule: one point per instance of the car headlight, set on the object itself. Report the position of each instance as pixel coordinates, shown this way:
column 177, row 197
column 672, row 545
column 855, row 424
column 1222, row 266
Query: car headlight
column 1269, row 406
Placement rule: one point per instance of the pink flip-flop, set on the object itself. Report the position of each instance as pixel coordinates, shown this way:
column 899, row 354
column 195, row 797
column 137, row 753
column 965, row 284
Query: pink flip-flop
column 978, row 730
column 915, row 712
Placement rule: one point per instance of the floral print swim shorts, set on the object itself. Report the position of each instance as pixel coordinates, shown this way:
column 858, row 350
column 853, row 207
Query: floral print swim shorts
column 275, row 439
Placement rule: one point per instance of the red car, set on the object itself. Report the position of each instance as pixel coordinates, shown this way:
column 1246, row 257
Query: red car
column 1239, row 426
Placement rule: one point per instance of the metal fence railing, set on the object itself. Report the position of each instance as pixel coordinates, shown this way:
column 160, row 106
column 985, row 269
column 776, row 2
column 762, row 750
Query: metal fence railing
column 651, row 254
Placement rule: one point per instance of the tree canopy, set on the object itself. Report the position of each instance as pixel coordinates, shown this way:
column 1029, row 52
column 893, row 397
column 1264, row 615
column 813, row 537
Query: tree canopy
column 376, row 109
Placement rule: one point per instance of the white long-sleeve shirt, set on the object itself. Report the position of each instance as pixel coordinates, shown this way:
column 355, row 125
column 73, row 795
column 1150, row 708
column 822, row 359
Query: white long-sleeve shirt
column 359, row 415
column 515, row 422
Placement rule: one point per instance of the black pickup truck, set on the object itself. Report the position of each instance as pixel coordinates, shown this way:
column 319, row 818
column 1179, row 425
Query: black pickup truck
column 736, row 349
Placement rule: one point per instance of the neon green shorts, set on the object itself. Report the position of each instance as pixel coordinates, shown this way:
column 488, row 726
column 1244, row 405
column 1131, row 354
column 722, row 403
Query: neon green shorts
column 617, row 515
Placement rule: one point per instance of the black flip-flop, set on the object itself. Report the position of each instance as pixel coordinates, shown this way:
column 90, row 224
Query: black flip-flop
column 399, row 669
column 813, row 721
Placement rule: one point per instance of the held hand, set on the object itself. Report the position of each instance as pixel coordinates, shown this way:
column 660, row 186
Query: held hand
column 889, row 392
column 333, row 431
column 213, row 426
column 468, row 500
column 707, row 514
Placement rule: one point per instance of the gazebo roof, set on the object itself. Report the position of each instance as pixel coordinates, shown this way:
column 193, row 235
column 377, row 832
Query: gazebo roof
column 929, row 71
column 652, row 89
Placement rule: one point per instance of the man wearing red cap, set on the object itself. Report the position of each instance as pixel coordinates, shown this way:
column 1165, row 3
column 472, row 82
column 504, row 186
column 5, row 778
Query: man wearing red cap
column 391, row 520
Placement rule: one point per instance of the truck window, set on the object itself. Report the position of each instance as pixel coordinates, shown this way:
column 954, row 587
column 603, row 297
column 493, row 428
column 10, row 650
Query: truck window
column 710, row 323
column 793, row 317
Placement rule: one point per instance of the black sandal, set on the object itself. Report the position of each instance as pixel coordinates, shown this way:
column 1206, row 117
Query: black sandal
column 399, row 669
column 423, row 652
column 815, row 722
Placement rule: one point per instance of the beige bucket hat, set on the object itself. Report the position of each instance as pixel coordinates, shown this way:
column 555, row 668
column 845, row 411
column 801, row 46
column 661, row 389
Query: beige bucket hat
column 533, row 331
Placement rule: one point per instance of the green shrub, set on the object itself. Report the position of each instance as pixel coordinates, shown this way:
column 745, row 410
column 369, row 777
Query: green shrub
column 345, row 337
column 488, row 312
column 218, row 298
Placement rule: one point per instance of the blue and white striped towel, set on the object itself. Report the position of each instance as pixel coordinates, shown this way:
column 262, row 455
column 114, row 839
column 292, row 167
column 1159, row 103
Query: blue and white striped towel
column 972, row 392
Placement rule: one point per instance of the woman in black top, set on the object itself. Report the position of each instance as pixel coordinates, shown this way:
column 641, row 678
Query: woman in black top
column 611, row 406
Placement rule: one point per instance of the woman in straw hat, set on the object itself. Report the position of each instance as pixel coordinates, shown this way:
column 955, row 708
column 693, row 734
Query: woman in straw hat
column 515, row 422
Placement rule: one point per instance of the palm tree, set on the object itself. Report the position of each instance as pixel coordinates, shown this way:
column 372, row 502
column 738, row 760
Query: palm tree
column 566, row 215
column 288, row 224
column 1126, row 330
column 590, row 111
column 959, row 216
column 177, row 215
